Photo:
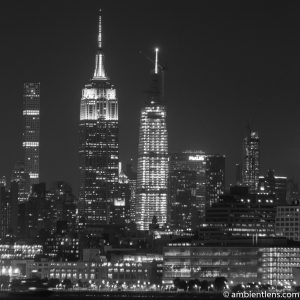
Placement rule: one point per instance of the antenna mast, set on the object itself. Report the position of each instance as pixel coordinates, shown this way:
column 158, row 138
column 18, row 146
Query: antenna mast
column 100, row 30
column 156, row 61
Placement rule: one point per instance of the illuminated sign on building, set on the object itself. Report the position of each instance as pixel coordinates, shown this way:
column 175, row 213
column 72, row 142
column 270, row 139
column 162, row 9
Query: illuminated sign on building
column 197, row 157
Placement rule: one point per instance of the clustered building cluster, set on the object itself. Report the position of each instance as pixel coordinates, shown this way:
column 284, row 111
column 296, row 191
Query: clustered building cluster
column 170, row 219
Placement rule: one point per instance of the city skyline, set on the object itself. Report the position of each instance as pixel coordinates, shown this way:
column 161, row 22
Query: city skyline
column 221, row 79
column 155, row 154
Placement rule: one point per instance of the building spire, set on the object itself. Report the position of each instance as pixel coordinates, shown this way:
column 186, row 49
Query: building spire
column 100, row 31
column 99, row 73
column 155, row 90
column 156, row 61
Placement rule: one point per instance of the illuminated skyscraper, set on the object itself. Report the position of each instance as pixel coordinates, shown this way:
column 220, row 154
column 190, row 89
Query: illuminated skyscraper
column 251, row 163
column 98, row 144
column 31, row 132
column 153, row 168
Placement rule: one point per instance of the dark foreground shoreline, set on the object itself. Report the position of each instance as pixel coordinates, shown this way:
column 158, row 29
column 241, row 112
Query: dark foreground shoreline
column 116, row 295
column 55, row 295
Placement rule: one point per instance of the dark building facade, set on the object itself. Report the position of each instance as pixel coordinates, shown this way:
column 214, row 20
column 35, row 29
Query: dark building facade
column 3, row 181
column 251, row 161
column 182, row 193
column 63, row 244
column 238, row 174
column 132, row 175
column 60, row 205
column 22, row 179
column 292, row 192
column 276, row 185
column 8, row 211
column 189, row 161
column 31, row 214
column 242, row 214
column 121, row 206
column 215, row 178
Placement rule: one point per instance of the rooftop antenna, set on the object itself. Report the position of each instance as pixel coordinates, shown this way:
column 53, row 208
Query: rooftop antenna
column 100, row 30
column 156, row 61
column 157, row 67
column 99, row 73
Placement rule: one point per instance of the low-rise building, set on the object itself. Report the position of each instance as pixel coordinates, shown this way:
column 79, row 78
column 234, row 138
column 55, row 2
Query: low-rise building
column 287, row 223
column 271, row 261
column 237, row 264
column 133, row 268
column 19, row 251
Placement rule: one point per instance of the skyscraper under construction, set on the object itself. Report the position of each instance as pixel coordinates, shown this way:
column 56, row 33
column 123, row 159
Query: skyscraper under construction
column 98, row 144
column 153, row 168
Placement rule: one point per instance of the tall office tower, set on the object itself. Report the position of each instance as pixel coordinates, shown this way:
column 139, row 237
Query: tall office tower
column 132, row 201
column 31, row 132
column 251, row 163
column 131, row 174
column 276, row 185
column 238, row 174
column 3, row 181
column 31, row 214
column 60, row 205
column 153, row 165
column 121, row 211
column 215, row 178
column 22, row 179
column 8, row 211
column 182, row 194
column 98, row 144
column 4, row 212
column 189, row 161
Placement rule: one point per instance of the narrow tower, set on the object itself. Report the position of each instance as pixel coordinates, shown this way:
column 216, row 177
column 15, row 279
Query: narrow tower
column 251, row 163
column 31, row 133
column 153, row 166
column 98, row 144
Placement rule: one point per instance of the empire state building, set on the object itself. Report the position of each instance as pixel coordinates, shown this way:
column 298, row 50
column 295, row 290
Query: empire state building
column 98, row 144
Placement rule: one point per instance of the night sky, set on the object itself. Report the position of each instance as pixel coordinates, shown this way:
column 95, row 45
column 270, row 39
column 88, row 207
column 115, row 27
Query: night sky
column 229, row 64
